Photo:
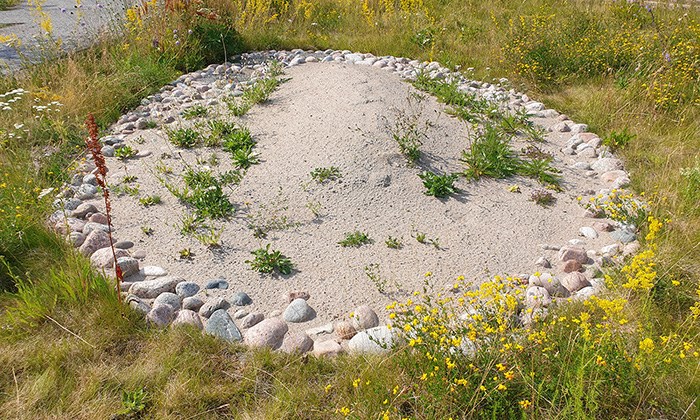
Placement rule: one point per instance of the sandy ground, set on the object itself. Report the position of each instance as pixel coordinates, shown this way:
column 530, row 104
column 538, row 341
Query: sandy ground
column 337, row 115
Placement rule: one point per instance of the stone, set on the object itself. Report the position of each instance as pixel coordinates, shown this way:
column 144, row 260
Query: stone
column 363, row 317
column 99, row 218
column 374, row 340
column 240, row 299
column 543, row 262
column 327, row 348
column 588, row 232
column 297, row 343
column 623, row 235
column 69, row 225
column 579, row 128
column 137, row 304
column 603, row 165
column 275, row 314
column 299, row 311
column 251, row 319
column 221, row 325
column 168, row 298
column 537, row 297
column 344, row 330
column 220, row 284
column 610, row 176
column 108, row 151
column 610, row 250
column 128, row 265
column 603, row 226
column 631, row 248
column 152, row 288
column 153, row 270
column 104, row 258
column 577, row 242
column 574, row 282
column 570, row 266
column 323, row 329
column 72, row 204
column 560, row 127
column 160, row 315
column 545, row 280
column 90, row 226
column 123, row 244
column 192, row 303
column 585, row 293
column 573, row 253
column 140, row 254
column 212, row 306
column 267, row 333
column 297, row 294
column 76, row 239
column 187, row 317
column 82, row 210
column 186, row 289
column 582, row 166
column 241, row 313
column 86, row 191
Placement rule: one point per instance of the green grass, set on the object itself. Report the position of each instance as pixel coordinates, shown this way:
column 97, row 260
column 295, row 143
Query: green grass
column 186, row 138
column 321, row 175
column 204, row 192
column 439, row 185
column 355, row 239
column 197, row 111
column 490, row 155
column 268, row 261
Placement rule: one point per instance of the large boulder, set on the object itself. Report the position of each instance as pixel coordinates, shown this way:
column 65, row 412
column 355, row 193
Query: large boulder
column 152, row 288
column 374, row 340
column 267, row 333
column 221, row 325
column 299, row 311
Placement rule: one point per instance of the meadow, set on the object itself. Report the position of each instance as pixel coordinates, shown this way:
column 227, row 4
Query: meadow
column 630, row 71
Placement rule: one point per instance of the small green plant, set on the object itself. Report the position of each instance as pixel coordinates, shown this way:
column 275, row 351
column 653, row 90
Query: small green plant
column 244, row 158
column 186, row 254
column 421, row 237
column 542, row 197
column 184, row 137
column 315, row 207
column 435, row 242
column 125, row 152
column 690, row 186
column 151, row 124
column 134, row 402
column 373, row 274
column 465, row 106
column 618, row 139
column 163, row 168
column 238, row 107
column 129, row 179
column 268, row 261
column 393, row 243
column 321, row 175
column 197, row 111
column 541, row 170
column 534, row 152
column 260, row 91
column 439, row 185
column 150, row 200
column 125, row 189
column 147, row 230
column 239, row 139
column 490, row 155
column 204, row 192
column 355, row 239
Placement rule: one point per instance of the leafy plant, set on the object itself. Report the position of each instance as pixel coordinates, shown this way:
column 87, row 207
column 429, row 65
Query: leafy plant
column 542, row 197
column 150, row 200
column 355, row 239
column 373, row 274
column 204, row 192
column 267, row 261
column 238, row 139
column 134, row 402
column 147, row 230
column 439, row 185
column 393, row 243
column 197, row 111
column 321, row 175
column 541, row 170
column 490, row 155
column 125, row 189
column 185, row 254
column 237, row 107
column 244, row 158
column 184, row 137
column 125, row 152
column 421, row 237
column 618, row 139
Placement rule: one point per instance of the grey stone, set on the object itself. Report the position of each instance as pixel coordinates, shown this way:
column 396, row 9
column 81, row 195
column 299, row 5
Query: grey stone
column 186, row 289
column 252, row 319
column 574, row 281
column 323, row 329
column 192, row 303
column 299, row 311
column 267, row 333
column 128, row 265
column 153, row 270
column 545, row 280
column 86, row 191
column 168, row 298
column 90, row 179
column 297, row 343
column 585, row 293
column 140, row 254
column 543, row 262
column 221, row 325
column 241, row 299
column 124, row 245
column 83, row 209
column 536, row 297
column 327, row 348
column 220, row 284
column 364, row 317
column 612, row 249
column 107, row 151
column 374, row 340
column 603, row 165
column 623, row 235
column 573, row 253
column 588, row 232
column 137, row 304
column 212, row 306
column 188, row 317
column 160, row 315
column 104, row 258
column 241, row 313
column 152, row 288
column 93, row 241
column 70, row 224
column 631, row 248
column 90, row 226
column 76, row 239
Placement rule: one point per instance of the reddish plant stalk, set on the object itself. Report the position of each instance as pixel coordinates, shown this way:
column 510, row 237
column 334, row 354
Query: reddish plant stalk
column 93, row 145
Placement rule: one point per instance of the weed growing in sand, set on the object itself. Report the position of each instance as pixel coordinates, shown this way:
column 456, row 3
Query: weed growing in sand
column 490, row 155
column 128, row 179
column 162, row 168
column 355, row 239
column 373, row 274
column 408, row 131
column 204, row 192
column 207, row 235
column 125, row 152
column 542, row 197
column 439, row 185
column 393, row 243
column 541, row 170
column 315, row 207
column 218, row 130
column 151, row 124
column 150, row 200
column 267, row 261
column 245, row 158
column 185, row 138
column 147, row 230
column 185, row 254
column 421, row 237
column 125, row 189
column 238, row 139
column 257, row 93
column 535, row 133
column 465, row 106
column 321, row 175
column 534, row 152
column 197, row 111
column 271, row 216
column 237, row 107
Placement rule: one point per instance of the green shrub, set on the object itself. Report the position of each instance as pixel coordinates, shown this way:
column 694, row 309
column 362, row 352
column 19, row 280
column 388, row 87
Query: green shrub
column 355, row 239
column 490, row 155
column 267, row 261
column 439, row 185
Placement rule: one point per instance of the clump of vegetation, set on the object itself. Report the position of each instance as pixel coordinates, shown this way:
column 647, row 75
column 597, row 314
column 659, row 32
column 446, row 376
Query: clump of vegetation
column 321, row 175
column 150, row 200
column 373, row 274
column 197, row 111
column 269, row 261
column 490, row 155
column 257, row 93
column 184, row 137
column 185, row 254
column 125, row 152
column 244, row 158
column 542, row 197
column 393, row 243
column 466, row 106
column 541, row 170
column 355, row 239
column 238, row 139
column 205, row 193
column 439, row 185
column 408, row 132
column 618, row 139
